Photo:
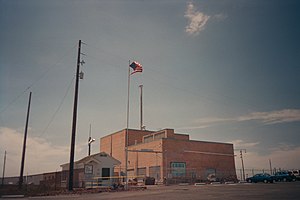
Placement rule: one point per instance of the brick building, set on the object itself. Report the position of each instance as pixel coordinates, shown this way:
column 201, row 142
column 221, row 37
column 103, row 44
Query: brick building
column 165, row 154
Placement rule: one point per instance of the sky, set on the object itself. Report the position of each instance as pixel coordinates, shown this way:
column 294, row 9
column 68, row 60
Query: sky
column 220, row 71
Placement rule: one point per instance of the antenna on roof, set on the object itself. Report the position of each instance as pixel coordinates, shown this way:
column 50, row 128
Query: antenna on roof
column 141, row 108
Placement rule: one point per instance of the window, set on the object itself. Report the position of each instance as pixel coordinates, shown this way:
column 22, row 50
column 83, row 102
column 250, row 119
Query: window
column 88, row 169
column 64, row 175
column 154, row 171
column 178, row 169
column 141, row 171
column 105, row 173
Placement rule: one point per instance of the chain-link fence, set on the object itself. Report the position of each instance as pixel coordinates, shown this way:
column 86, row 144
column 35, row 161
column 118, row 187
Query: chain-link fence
column 243, row 174
column 193, row 175
column 179, row 174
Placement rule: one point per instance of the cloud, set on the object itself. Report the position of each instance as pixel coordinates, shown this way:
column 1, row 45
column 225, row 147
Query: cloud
column 205, row 123
column 196, row 20
column 266, row 118
column 211, row 120
column 273, row 117
column 220, row 17
column 240, row 144
column 192, row 127
column 41, row 156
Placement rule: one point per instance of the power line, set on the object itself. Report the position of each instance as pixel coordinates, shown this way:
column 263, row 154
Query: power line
column 110, row 65
column 58, row 108
column 14, row 100
column 36, row 80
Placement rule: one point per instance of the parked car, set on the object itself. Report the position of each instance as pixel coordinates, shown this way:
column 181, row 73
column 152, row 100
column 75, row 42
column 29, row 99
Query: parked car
column 262, row 177
column 297, row 174
column 284, row 176
column 212, row 178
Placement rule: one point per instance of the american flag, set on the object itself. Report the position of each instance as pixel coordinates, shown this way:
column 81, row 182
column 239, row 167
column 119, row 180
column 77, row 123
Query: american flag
column 137, row 67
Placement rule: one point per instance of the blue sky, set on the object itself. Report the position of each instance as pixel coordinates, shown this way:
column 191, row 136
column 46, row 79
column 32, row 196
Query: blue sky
column 225, row 71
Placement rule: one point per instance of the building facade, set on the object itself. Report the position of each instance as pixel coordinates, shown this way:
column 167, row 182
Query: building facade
column 168, row 155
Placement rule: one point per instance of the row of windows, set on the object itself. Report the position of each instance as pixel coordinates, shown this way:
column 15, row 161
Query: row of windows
column 178, row 169
column 178, row 165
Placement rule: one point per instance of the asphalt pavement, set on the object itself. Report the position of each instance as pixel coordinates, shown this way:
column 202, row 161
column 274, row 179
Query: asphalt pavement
column 257, row 191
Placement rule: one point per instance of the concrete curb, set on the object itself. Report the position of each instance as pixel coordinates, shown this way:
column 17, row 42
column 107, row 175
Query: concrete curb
column 13, row 196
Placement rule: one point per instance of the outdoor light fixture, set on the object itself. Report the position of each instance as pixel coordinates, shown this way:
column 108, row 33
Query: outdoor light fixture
column 91, row 140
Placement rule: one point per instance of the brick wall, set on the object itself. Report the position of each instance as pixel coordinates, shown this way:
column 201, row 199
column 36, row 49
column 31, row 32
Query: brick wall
column 136, row 136
column 114, row 144
column 145, row 159
column 181, row 137
column 199, row 156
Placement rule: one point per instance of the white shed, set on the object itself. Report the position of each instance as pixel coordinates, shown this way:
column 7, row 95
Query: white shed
column 92, row 171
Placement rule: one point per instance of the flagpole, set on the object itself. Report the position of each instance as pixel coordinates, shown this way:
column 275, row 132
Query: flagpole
column 127, row 125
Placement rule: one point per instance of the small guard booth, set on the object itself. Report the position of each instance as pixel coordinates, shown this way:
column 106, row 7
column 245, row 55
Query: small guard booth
column 93, row 171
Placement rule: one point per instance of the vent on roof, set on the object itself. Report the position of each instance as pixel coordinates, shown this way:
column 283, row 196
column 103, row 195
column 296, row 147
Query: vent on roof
column 103, row 154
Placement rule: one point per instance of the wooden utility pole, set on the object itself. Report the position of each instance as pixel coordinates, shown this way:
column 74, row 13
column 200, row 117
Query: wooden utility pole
column 24, row 144
column 3, row 173
column 241, row 154
column 71, row 165
column 270, row 163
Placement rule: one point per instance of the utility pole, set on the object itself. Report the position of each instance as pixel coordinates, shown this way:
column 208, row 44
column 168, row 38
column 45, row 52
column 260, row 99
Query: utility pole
column 78, row 75
column 90, row 141
column 3, row 173
column 241, row 154
column 24, row 144
column 270, row 166
column 141, row 106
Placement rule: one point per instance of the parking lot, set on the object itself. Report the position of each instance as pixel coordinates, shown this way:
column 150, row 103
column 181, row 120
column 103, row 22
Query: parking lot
column 288, row 190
